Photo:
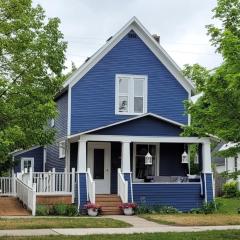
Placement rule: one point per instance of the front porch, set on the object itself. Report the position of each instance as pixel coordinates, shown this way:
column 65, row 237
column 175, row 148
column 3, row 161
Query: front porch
column 166, row 182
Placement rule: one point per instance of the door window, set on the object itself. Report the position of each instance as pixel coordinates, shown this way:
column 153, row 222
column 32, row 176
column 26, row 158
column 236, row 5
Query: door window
column 98, row 164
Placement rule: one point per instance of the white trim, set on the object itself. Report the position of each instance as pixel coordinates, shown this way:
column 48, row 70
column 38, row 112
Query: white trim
column 131, row 182
column 205, row 186
column 44, row 157
column 144, row 139
column 141, row 31
column 134, row 159
column 62, row 149
column 131, row 93
column 18, row 152
column 128, row 120
column 69, row 111
column 78, row 181
column 27, row 159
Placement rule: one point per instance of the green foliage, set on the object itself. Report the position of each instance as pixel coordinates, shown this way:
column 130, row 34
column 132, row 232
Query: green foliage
column 207, row 208
column 42, row 210
column 217, row 112
column 230, row 189
column 57, row 210
column 143, row 209
column 32, row 56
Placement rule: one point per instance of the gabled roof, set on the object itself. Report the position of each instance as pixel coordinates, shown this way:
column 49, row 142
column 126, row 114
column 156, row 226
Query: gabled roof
column 128, row 120
column 21, row 151
column 135, row 25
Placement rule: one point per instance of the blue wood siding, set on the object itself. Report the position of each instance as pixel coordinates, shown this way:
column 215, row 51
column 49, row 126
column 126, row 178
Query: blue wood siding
column 181, row 196
column 208, row 186
column 128, row 178
column 145, row 126
column 82, row 189
column 53, row 160
column 36, row 153
column 93, row 97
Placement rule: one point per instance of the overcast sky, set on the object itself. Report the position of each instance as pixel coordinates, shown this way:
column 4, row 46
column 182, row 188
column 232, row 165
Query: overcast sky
column 87, row 24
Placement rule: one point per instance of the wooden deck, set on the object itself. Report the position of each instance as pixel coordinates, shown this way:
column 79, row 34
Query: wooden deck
column 10, row 206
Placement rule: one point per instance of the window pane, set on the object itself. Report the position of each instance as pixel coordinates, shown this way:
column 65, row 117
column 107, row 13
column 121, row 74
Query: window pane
column 140, row 167
column 123, row 104
column 138, row 87
column 98, row 164
column 138, row 104
column 142, row 149
column 123, row 85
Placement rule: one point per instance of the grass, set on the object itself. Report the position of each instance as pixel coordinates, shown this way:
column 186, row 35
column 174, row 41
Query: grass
column 227, row 214
column 77, row 222
column 208, row 235
column 194, row 219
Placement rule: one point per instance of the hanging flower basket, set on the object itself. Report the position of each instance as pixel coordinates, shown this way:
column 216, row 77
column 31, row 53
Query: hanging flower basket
column 128, row 208
column 92, row 209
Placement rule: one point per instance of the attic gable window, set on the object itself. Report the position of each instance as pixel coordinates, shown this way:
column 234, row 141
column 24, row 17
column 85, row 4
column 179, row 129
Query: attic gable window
column 131, row 94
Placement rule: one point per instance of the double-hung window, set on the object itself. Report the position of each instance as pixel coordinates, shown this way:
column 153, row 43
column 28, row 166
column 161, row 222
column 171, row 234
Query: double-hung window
column 62, row 149
column 131, row 94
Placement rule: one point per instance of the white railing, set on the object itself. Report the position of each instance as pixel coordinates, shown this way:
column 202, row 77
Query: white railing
column 7, row 186
column 27, row 195
column 122, row 187
column 90, row 187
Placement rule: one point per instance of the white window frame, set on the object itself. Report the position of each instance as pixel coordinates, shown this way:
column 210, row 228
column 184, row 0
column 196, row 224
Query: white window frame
column 62, row 149
column 157, row 159
column 131, row 94
column 52, row 122
column 23, row 159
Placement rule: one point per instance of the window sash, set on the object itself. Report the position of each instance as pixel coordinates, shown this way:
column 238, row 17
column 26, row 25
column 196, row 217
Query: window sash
column 62, row 149
column 136, row 96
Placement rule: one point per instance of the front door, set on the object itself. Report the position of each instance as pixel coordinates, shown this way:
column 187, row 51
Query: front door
column 99, row 163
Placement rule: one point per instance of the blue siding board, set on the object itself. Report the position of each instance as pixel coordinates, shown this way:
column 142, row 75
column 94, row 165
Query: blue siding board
column 128, row 178
column 93, row 97
column 145, row 126
column 37, row 154
column 181, row 196
column 53, row 160
column 82, row 189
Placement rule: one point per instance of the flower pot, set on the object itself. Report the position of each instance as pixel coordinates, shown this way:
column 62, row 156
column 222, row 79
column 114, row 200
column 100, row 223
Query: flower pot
column 92, row 212
column 128, row 211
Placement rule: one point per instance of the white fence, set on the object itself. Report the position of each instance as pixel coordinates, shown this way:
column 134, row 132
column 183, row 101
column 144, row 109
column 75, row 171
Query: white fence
column 90, row 187
column 122, row 187
column 7, row 186
column 27, row 195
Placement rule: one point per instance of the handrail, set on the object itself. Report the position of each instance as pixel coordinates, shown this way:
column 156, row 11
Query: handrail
column 122, row 187
column 90, row 186
column 7, row 186
column 27, row 195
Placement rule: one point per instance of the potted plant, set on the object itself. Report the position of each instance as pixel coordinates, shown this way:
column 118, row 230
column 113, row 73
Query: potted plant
column 92, row 209
column 128, row 208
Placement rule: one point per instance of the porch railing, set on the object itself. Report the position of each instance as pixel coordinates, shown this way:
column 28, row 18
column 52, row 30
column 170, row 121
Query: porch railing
column 122, row 187
column 7, row 186
column 27, row 195
column 90, row 187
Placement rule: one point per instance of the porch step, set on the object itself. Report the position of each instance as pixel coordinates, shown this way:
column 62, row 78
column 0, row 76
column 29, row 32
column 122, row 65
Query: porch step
column 109, row 203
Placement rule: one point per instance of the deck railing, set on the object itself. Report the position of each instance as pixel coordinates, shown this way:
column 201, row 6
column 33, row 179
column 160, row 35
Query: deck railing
column 27, row 195
column 90, row 187
column 122, row 187
column 7, row 186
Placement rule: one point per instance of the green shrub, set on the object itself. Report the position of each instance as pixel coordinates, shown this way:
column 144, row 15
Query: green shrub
column 71, row 210
column 42, row 210
column 143, row 209
column 207, row 208
column 59, row 210
column 230, row 189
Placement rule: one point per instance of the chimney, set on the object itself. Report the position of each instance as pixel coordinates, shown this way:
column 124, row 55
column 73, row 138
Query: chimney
column 156, row 37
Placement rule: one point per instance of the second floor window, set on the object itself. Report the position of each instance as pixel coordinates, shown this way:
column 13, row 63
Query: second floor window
column 131, row 94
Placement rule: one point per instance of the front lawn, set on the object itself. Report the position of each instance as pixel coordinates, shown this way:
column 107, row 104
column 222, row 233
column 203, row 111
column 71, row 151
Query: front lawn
column 227, row 214
column 194, row 219
column 208, row 235
column 58, row 222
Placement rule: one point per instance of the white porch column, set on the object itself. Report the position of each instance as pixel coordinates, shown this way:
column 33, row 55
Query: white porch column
column 82, row 156
column 125, row 157
column 206, row 158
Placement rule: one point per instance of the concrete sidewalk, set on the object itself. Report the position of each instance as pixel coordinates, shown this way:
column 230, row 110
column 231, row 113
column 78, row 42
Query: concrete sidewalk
column 139, row 226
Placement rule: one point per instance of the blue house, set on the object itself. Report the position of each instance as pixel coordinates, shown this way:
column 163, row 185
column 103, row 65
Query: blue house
column 121, row 116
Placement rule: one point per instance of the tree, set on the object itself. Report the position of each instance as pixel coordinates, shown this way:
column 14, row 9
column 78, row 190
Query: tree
column 32, row 56
column 217, row 112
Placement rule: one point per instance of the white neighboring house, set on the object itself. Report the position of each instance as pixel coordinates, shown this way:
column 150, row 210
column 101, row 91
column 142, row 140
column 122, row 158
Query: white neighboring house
column 230, row 164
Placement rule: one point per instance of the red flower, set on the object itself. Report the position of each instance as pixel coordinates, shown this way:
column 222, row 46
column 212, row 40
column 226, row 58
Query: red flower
column 95, row 207
column 128, row 205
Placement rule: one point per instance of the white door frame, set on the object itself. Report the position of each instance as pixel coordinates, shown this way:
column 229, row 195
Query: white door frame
column 102, row 186
column 27, row 159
